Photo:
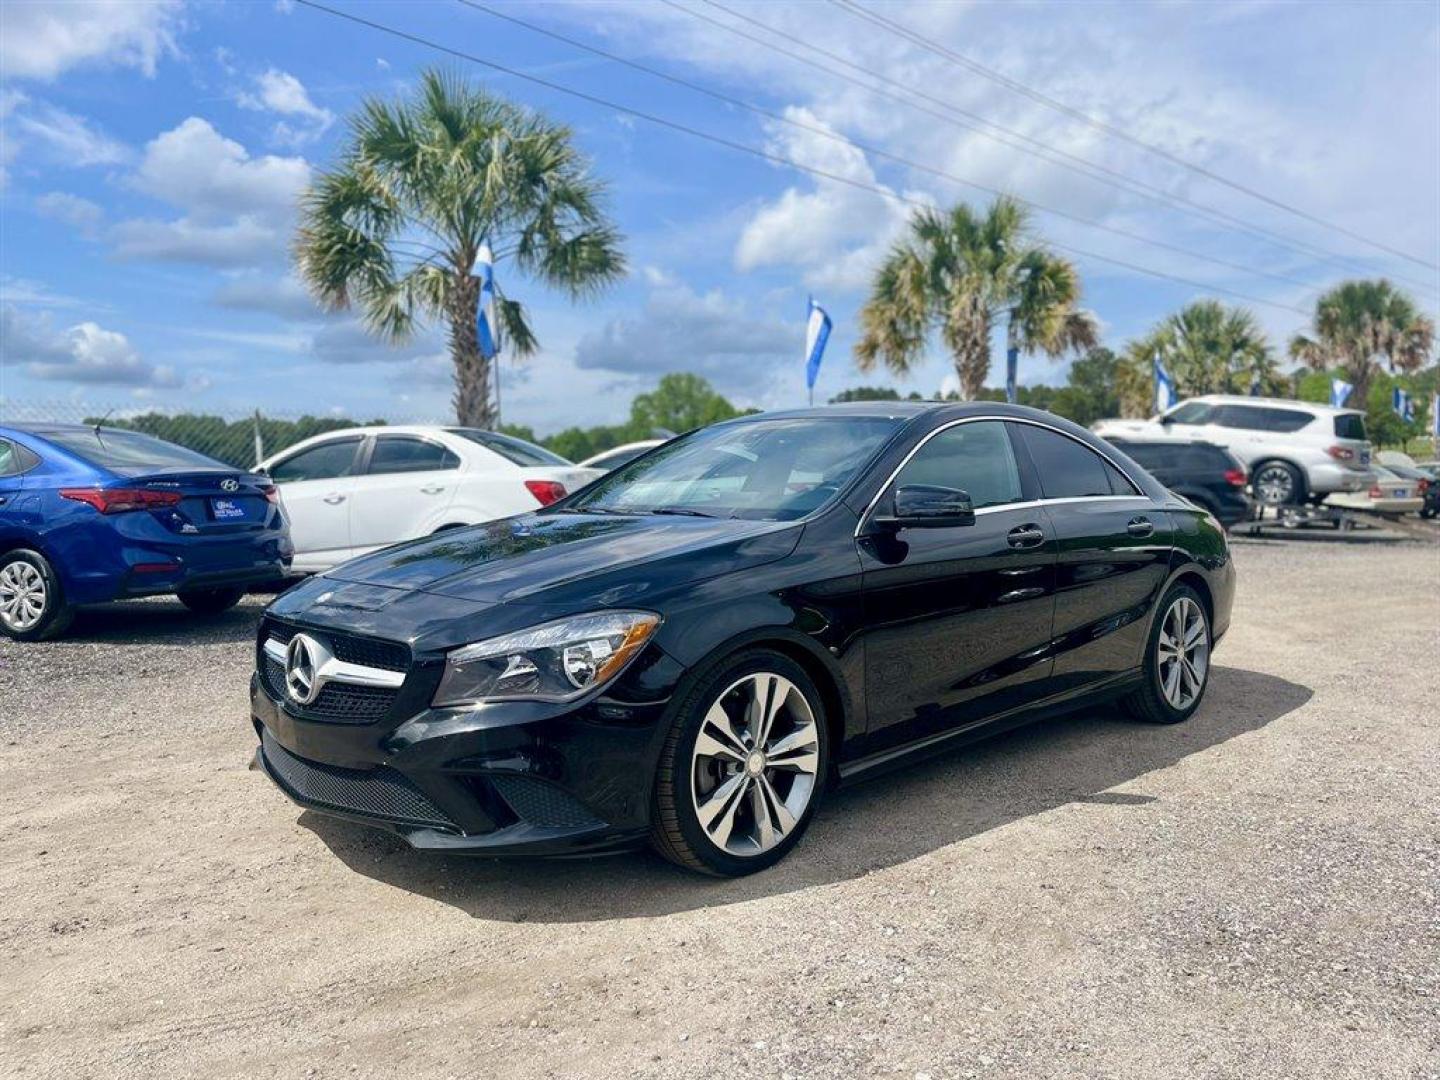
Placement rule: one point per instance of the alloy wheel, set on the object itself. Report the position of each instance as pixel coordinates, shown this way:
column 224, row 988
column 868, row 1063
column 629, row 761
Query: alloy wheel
column 755, row 765
column 23, row 595
column 1183, row 653
column 1275, row 485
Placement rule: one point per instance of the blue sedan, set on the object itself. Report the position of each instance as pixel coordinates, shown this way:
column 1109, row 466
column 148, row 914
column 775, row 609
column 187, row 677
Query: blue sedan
column 92, row 514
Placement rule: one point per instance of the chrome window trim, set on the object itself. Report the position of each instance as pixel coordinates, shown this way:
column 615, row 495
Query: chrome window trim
column 1029, row 503
column 338, row 671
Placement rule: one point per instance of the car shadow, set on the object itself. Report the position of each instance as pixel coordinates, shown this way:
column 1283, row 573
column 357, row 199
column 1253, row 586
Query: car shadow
column 164, row 621
column 903, row 815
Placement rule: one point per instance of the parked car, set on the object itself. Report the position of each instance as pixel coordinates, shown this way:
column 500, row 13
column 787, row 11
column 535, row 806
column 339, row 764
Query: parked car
column 1296, row 451
column 1389, row 493
column 608, row 460
column 1208, row 475
column 1426, row 486
column 356, row 490
column 91, row 514
column 692, row 649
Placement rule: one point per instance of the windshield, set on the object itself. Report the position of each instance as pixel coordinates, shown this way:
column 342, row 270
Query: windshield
column 765, row 470
column 114, row 448
column 516, row 451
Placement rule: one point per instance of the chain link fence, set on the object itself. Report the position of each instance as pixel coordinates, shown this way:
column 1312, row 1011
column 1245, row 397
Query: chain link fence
column 239, row 438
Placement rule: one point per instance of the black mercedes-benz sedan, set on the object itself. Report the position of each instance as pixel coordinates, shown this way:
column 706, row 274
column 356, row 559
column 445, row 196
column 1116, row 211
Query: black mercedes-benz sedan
column 695, row 647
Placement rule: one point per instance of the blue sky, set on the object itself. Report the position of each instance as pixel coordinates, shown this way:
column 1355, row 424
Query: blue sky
column 152, row 154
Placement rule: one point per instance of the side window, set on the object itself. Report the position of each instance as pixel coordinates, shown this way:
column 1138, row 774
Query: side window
column 1192, row 412
column 405, row 453
column 1068, row 469
column 9, row 459
column 1260, row 418
column 323, row 462
column 976, row 458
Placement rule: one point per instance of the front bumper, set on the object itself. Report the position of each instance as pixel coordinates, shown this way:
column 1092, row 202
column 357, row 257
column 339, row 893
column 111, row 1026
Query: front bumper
column 512, row 777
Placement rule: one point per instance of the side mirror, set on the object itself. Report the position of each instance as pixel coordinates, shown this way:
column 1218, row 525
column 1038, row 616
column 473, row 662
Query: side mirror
column 927, row 506
column 1167, row 419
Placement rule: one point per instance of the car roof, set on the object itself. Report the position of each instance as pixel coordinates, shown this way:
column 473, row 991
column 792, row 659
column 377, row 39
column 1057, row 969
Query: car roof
column 908, row 410
column 44, row 428
column 1288, row 403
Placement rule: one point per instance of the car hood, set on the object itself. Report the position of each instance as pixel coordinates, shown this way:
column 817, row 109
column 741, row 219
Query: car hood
column 562, row 558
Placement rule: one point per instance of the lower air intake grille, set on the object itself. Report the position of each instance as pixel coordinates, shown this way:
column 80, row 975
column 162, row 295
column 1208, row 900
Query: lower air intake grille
column 539, row 803
column 376, row 793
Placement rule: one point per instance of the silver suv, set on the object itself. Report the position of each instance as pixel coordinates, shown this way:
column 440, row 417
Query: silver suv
column 1296, row 451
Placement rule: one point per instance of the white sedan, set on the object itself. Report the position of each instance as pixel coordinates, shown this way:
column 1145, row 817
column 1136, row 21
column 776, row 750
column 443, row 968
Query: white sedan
column 355, row 490
column 1389, row 493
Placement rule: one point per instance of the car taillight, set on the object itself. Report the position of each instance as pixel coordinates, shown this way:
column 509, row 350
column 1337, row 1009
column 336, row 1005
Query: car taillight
column 1340, row 453
column 121, row 500
column 547, row 491
column 1422, row 486
column 1235, row 477
column 271, row 493
column 1375, row 491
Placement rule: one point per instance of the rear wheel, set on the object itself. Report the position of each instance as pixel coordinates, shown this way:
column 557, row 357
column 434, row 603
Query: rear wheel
column 1177, row 661
column 1278, row 483
column 211, row 601
column 32, row 604
column 743, row 769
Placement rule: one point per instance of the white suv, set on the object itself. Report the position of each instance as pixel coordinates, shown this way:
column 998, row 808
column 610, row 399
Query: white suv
column 354, row 490
column 1296, row 451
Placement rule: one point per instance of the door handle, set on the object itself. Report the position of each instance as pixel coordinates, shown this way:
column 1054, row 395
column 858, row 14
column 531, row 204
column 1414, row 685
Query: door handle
column 1021, row 594
column 433, row 489
column 334, row 499
column 3, row 499
column 1140, row 526
column 1025, row 536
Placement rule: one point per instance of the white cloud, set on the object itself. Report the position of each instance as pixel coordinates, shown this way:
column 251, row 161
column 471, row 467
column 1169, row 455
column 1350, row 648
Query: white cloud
column 679, row 330
column 834, row 232
column 79, row 213
column 242, row 242
column 71, row 139
column 196, row 168
column 44, row 39
column 84, row 353
column 36, row 294
column 280, row 92
column 284, row 297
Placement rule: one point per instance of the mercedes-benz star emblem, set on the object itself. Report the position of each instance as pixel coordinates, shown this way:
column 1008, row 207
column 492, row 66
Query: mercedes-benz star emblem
column 229, row 485
column 302, row 665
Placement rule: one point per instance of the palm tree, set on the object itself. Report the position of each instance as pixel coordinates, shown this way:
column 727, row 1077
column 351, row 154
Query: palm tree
column 423, row 182
column 961, row 271
column 1210, row 349
column 1359, row 323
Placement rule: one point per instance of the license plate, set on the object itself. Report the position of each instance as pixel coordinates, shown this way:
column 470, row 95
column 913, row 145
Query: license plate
column 1364, row 457
column 1397, row 493
column 227, row 510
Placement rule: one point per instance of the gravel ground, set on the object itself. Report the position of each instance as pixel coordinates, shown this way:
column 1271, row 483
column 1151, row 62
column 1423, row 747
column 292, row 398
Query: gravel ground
column 1253, row 894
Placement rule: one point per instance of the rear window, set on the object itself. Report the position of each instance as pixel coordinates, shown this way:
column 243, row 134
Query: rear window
column 516, row 451
column 113, row 448
column 1261, row 418
column 1350, row 426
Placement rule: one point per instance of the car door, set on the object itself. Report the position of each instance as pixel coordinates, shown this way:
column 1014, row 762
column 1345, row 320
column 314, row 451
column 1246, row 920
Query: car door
column 958, row 618
column 402, row 492
column 315, row 488
column 1114, row 547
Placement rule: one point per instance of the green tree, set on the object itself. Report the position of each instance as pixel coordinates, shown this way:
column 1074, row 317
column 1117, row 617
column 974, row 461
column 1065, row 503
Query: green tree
column 681, row 402
column 961, row 271
column 1209, row 348
column 1359, row 325
column 422, row 183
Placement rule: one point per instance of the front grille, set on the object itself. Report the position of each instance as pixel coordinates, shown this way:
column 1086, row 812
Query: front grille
column 539, row 803
column 337, row 703
column 369, row 652
column 375, row 793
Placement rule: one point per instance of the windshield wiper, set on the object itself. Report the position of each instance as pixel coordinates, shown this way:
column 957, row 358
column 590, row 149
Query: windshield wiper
column 681, row 511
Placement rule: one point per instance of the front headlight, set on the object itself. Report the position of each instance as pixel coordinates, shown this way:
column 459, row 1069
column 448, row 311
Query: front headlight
column 555, row 661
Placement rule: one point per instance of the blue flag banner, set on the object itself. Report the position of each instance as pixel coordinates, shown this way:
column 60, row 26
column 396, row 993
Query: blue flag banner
column 1339, row 392
column 1165, row 395
column 1402, row 405
column 485, row 324
column 1255, row 386
column 817, row 333
column 1012, row 365
column 1435, row 417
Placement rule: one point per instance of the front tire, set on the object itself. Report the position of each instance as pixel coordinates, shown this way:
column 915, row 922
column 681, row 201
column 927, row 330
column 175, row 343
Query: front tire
column 743, row 768
column 32, row 603
column 211, row 601
column 1177, row 661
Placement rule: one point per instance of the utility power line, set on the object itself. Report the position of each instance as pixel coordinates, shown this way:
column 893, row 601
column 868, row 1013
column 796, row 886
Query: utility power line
column 778, row 159
column 953, row 113
column 876, row 151
column 1018, row 87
